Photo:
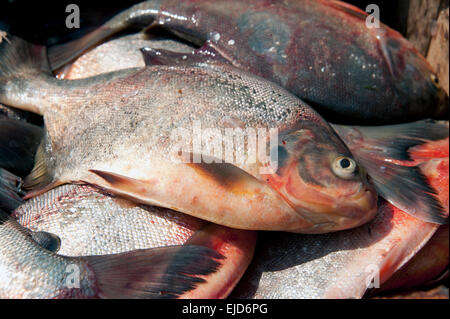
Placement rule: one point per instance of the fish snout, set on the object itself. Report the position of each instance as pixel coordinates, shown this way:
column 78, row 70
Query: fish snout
column 360, row 208
column 348, row 212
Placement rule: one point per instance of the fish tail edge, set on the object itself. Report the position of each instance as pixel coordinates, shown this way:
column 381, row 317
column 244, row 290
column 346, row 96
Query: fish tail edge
column 160, row 273
column 404, row 186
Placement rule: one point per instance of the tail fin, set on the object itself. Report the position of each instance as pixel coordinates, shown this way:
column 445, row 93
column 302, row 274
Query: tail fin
column 139, row 16
column 384, row 151
column 19, row 55
column 20, row 60
column 153, row 273
column 18, row 145
column 236, row 245
column 61, row 54
column 10, row 191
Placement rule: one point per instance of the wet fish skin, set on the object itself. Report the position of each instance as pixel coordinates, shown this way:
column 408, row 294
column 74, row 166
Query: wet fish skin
column 124, row 149
column 118, row 54
column 30, row 271
column 15, row 242
column 91, row 223
column 337, row 265
column 379, row 77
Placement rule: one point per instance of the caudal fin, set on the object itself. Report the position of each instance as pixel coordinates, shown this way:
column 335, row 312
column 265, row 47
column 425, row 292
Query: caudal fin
column 20, row 61
column 19, row 55
column 61, row 54
column 139, row 16
column 166, row 272
column 384, row 151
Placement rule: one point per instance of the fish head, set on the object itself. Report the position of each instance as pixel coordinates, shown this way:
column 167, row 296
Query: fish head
column 414, row 78
column 317, row 175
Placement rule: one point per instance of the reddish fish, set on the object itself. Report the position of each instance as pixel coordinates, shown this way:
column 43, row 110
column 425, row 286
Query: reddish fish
column 322, row 51
column 345, row 264
column 427, row 267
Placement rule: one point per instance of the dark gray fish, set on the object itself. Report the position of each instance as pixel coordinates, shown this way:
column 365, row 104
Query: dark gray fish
column 10, row 191
column 19, row 142
column 322, row 51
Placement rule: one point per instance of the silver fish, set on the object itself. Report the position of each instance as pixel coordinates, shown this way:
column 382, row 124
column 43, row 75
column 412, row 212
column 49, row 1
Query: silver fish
column 27, row 270
column 91, row 223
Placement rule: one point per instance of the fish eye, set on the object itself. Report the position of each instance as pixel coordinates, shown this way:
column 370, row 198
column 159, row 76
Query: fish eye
column 435, row 80
column 344, row 167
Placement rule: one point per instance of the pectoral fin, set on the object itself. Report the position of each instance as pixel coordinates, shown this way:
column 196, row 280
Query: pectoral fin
column 217, row 192
column 127, row 187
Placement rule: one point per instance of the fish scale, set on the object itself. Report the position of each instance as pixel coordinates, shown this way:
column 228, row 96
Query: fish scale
column 150, row 124
column 23, row 259
column 91, row 223
column 29, row 271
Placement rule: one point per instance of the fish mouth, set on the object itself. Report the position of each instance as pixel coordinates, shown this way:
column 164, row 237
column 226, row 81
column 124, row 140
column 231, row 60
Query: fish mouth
column 346, row 212
column 362, row 208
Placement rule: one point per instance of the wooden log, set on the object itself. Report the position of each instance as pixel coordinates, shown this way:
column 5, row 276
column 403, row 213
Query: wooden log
column 421, row 16
column 438, row 55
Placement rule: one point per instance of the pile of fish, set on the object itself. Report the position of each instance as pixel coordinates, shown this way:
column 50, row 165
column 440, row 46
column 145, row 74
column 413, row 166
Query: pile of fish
column 101, row 201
